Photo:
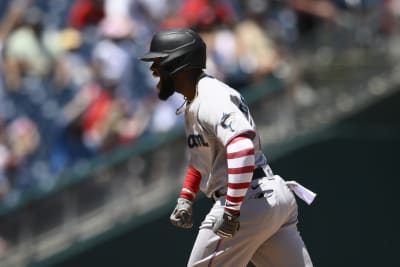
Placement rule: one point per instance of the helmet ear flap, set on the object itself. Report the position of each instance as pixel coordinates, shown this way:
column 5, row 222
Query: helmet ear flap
column 192, row 59
column 176, row 64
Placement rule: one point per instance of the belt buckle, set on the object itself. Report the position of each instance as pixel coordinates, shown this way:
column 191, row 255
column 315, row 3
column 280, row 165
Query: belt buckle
column 214, row 197
column 217, row 194
column 258, row 173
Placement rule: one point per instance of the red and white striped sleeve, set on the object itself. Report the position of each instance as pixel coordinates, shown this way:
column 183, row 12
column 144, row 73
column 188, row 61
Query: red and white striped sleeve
column 240, row 161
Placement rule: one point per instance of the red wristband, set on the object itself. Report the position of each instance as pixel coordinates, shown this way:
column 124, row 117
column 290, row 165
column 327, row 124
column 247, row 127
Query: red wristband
column 192, row 184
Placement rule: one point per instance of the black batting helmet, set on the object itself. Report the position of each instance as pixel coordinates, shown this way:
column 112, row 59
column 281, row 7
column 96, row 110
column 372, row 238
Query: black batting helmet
column 178, row 49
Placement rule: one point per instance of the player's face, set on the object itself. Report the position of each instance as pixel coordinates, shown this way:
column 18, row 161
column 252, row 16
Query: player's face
column 165, row 85
column 155, row 68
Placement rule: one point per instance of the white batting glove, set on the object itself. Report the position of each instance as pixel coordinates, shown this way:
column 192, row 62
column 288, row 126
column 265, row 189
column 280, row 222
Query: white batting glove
column 182, row 215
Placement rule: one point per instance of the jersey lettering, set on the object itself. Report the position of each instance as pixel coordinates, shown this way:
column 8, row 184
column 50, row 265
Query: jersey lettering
column 196, row 140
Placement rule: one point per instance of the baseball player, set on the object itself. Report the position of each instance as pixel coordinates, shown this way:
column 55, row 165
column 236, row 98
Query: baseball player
column 254, row 215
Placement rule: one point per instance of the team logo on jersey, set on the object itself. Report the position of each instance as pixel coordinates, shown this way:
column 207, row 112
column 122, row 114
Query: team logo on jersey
column 243, row 105
column 226, row 121
column 196, row 140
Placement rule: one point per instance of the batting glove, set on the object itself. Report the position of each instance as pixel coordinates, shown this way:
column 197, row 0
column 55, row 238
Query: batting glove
column 182, row 214
column 228, row 225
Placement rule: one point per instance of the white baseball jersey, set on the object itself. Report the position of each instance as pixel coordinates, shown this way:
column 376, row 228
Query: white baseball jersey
column 217, row 114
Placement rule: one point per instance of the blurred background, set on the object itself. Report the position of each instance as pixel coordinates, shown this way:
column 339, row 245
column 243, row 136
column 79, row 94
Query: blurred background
column 91, row 162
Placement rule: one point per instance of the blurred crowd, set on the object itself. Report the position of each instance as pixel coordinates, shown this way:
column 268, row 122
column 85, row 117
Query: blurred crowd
column 71, row 87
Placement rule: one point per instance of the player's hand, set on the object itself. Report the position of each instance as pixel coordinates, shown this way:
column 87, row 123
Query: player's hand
column 227, row 226
column 182, row 214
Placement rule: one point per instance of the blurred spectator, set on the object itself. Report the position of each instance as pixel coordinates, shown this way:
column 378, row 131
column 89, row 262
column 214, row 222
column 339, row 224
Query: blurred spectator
column 129, row 125
column 85, row 13
column 112, row 108
column 214, row 20
column 22, row 139
column 155, row 12
column 68, row 148
column 112, row 56
column 96, row 117
column 173, row 20
column 14, row 7
column 13, row 14
column 84, row 129
column 240, row 51
column 204, row 14
column 97, row 121
column 257, row 53
column 25, row 51
column 71, row 68
column 288, row 20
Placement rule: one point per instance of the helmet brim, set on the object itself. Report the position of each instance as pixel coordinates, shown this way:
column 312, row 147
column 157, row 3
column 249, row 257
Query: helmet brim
column 151, row 56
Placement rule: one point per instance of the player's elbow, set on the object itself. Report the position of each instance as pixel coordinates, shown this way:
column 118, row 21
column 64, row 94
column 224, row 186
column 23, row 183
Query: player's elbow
column 241, row 148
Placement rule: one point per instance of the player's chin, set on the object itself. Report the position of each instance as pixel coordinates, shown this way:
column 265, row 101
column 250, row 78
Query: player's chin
column 165, row 88
column 165, row 93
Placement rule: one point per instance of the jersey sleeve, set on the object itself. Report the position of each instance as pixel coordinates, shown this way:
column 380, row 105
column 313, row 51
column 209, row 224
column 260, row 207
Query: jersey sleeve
column 240, row 162
column 226, row 117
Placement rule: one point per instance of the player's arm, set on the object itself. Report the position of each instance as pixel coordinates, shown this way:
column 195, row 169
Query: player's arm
column 182, row 214
column 229, row 120
column 240, row 162
column 191, row 184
